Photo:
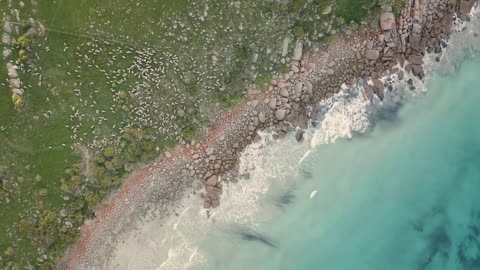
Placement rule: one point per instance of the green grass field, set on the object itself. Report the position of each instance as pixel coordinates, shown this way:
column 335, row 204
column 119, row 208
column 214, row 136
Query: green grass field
column 137, row 76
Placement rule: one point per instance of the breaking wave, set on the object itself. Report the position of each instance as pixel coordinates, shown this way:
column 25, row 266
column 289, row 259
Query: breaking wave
column 274, row 172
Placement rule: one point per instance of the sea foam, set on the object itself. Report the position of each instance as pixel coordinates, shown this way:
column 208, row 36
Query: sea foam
column 271, row 169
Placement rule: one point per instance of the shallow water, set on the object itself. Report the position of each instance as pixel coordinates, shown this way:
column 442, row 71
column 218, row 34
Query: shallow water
column 393, row 185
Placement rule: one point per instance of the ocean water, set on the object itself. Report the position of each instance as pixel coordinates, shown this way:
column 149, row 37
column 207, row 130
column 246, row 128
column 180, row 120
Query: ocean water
column 389, row 185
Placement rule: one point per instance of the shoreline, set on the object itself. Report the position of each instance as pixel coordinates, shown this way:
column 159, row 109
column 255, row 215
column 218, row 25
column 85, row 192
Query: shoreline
column 289, row 104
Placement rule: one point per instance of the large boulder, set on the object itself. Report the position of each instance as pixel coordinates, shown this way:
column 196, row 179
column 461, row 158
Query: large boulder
column 417, row 70
column 298, row 87
column 6, row 52
column 372, row 54
column 215, row 203
column 12, row 71
column 272, row 104
column 415, row 40
column 6, row 39
column 17, row 91
column 214, row 190
column 299, row 135
column 280, row 114
column 15, row 83
column 415, row 59
column 368, row 90
column 286, row 42
column 212, row 180
column 327, row 10
column 466, row 6
column 298, row 51
column 261, row 117
column 7, row 27
column 378, row 88
column 309, row 88
column 387, row 21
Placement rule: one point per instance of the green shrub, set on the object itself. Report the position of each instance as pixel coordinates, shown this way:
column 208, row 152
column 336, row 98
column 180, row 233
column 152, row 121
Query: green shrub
column 298, row 32
column 9, row 252
column 188, row 133
column 100, row 159
column 354, row 10
column 297, row 5
column 25, row 227
column 242, row 53
column 108, row 152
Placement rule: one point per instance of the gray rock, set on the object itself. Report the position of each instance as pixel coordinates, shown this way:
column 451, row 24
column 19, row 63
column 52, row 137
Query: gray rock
column 261, row 117
column 284, row 92
column 327, row 10
column 372, row 54
column 298, row 87
column 15, row 83
column 466, row 6
column 415, row 59
column 6, row 52
column 415, row 42
column 280, row 114
column 207, row 203
column 378, row 88
column 215, row 203
column 272, row 104
column 212, row 181
column 255, row 121
column 309, row 88
column 298, row 51
column 417, row 70
column 214, row 190
column 303, row 121
column 41, row 27
column 400, row 59
column 306, row 98
column 282, row 85
column 370, row 45
column 294, row 68
column 7, row 27
column 6, row 39
column 368, row 90
column 286, row 41
column 17, row 91
column 299, row 135
column 12, row 71
column 387, row 21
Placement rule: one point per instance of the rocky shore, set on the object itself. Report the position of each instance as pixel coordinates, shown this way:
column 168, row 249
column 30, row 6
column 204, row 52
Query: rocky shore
column 423, row 27
column 288, row 105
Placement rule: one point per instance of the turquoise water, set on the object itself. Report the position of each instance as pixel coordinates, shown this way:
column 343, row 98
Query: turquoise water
column 392, row 185
column 405, row 196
